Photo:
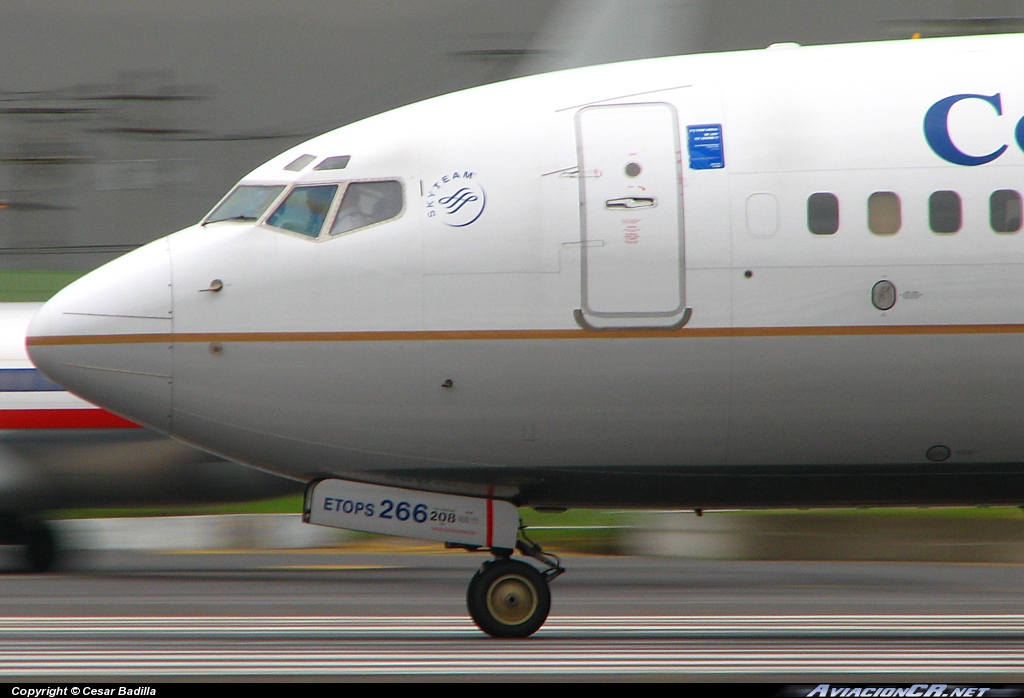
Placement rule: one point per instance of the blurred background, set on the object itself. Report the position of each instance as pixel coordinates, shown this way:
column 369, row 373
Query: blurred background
column 124, row 120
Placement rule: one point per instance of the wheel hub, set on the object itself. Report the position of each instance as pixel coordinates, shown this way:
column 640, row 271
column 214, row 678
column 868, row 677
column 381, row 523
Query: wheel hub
column 511, row 599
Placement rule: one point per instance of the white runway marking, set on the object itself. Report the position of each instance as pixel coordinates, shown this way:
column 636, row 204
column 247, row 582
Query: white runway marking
column 954, row 626
column 593, row 645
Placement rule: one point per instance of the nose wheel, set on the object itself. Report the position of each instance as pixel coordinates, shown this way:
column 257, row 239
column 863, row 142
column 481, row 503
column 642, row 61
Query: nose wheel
column 510, row 598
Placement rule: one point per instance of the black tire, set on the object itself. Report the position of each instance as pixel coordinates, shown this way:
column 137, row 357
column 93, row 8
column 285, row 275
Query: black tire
column 40, row 546
column 508, row 598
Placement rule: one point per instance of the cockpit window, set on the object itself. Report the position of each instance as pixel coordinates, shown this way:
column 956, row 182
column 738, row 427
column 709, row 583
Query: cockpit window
column 366, row 203
column 298, row 163
column 304, row 210
column 338, row 162
column 245, row 203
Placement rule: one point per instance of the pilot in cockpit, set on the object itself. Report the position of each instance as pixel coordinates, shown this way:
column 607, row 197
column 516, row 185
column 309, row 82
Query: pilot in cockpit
column 318, row 202
column 305, row 209
column 366, row 203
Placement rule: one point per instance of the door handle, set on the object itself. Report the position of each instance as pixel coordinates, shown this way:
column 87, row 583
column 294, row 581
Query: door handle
column 630, row 202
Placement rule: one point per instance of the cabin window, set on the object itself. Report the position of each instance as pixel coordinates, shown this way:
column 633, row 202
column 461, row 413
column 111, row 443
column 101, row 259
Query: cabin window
column 366, row 203
column 762, row 215
column 884, row 214
column 300, row 162
column 823, row 213
column 304, row 210
column 338, row 162
column 1005, row 211
column 944, row 212
column 245, row 203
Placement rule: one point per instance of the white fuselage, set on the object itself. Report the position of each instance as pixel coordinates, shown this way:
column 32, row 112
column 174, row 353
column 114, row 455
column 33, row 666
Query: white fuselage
column 58, row 451
column 602, row 286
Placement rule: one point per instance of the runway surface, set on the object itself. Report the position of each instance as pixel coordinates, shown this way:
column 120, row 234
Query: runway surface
column 400, row 616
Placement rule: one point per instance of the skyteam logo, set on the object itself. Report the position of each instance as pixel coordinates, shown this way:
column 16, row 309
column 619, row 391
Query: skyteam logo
column 456, row 198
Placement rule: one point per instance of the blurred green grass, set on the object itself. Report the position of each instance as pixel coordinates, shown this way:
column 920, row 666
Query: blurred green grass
column 33, row 286
column 291, row 504
column 595, row 531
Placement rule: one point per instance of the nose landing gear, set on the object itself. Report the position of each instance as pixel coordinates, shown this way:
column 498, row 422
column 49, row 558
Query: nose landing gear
column 506, row 598
column 510, row 598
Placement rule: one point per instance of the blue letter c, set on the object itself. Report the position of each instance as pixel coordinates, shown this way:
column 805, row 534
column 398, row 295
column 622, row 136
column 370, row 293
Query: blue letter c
column 936, row 131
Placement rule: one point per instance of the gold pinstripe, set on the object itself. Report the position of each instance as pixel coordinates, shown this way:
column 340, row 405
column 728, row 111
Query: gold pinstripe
column 497, row 335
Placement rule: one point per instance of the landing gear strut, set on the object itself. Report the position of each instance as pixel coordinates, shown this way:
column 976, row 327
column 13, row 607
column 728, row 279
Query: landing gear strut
column 510, row 598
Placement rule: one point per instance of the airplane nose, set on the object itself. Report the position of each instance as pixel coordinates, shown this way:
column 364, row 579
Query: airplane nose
column 107, row 337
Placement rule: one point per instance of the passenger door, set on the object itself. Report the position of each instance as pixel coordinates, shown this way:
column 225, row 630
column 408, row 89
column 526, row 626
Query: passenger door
column 631, row 216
